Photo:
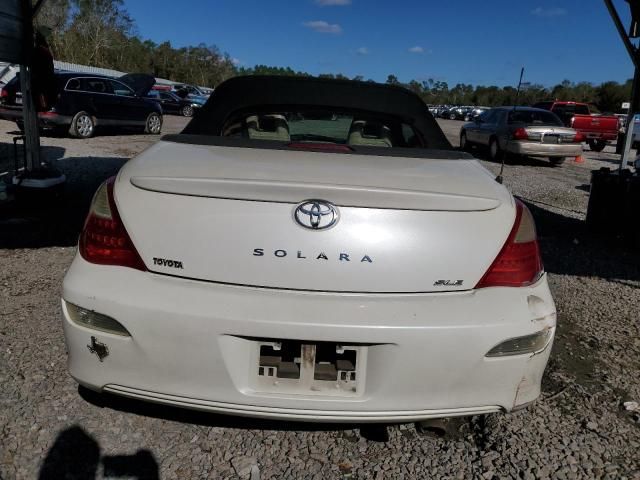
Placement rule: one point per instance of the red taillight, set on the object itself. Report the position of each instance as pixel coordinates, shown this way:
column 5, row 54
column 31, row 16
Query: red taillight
column 104, row 240
column 579, row 138
column 520, row 134
column 519, row 263
column 3, row 93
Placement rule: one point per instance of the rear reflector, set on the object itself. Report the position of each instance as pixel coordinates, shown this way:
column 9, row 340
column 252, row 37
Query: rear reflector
column 95, row 320
column 533, row 343
column 519, row 263
column 104, row 240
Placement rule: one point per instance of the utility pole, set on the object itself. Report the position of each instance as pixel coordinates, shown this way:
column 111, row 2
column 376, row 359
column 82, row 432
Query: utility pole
column 30, row 116
column 36, row 177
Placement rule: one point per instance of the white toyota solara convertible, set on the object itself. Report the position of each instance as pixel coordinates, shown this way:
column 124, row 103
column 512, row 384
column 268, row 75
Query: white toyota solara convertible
column 312, row 250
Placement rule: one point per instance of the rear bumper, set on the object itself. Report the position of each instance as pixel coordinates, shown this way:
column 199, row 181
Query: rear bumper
column 46, row 119
column 537, row 149
column 599, row 135
column 11, row 114
column 191, row 346
column 52, row 119
column 356, row 416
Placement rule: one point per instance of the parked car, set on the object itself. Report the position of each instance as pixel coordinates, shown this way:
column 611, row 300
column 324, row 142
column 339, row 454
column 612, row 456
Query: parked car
column 185, row 90
column 334, row 258
column 622, row 121
column 442, row 110
column 198, row 99
column 445, row 112
column 86, row 102
column 473, row 113
column 162, row 87
column 597, row 129
column 171, row 103
column 522, row 131
column 436, row 110
column 458, row 113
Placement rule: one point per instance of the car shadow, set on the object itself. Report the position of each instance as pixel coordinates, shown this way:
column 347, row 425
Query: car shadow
column 12, row 155
column 56, row 218
column 77, row 455
column 569, row 248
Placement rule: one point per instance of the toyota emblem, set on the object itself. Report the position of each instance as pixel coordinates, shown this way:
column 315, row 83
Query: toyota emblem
column 316, row 214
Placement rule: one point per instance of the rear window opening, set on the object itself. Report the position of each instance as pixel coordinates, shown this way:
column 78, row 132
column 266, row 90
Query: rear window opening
column 323, row 130
column 533, row 117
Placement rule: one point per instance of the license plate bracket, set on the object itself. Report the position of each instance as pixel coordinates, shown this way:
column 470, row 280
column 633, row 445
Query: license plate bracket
column 309, row 368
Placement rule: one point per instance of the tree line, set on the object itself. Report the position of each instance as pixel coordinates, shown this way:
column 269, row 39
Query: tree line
column 102, row 34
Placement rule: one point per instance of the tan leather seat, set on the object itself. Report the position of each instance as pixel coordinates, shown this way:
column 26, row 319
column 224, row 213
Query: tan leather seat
column 268, row 127
column 370, row 134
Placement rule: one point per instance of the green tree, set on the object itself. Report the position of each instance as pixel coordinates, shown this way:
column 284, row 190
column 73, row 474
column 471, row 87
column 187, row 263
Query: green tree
column 610, row 95
column 393, row 80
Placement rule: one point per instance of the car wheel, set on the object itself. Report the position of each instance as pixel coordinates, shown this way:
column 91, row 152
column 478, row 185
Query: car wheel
column 187, row 111
column 557, row 161
column 82, row 125
column 464, row 144
column 597, row 145
column 153, row 124
column 452, row 116
column 495, row 152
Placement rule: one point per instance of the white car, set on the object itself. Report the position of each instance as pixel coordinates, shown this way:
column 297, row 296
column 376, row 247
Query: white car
column 310, row 250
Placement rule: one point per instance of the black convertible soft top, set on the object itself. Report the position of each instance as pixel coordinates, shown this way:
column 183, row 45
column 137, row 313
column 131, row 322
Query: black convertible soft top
column 257, row 92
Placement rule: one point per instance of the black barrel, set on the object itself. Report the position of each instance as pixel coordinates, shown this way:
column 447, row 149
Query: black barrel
column 608, row 201
column 633, row 210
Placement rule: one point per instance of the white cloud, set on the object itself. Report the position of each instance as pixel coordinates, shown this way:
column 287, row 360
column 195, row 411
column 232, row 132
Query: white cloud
column 236, row 61
column 331, row 3
column 549, row 12
column 362, row 51
column 416, row 49
column 324, row 27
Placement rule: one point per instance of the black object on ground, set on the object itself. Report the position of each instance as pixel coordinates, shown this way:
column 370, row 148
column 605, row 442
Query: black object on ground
column 613, row 204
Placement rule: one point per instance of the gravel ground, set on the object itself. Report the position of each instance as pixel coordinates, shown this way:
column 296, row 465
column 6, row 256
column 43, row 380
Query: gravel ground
column 579, row 428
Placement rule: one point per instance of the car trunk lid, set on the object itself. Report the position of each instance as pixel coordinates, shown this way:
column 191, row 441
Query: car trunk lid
column 140, row 83
column 227, row 214
column 550, row 134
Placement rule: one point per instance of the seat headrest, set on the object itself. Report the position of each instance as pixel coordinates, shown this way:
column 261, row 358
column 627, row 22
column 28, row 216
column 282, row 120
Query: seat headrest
column 372, row 134
column 268, row 127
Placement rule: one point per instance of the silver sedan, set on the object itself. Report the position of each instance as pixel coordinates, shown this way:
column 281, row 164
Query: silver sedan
column 522, row 131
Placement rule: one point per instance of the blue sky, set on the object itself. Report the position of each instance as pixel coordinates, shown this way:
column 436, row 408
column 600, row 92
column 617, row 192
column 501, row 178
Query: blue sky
column 458, row 41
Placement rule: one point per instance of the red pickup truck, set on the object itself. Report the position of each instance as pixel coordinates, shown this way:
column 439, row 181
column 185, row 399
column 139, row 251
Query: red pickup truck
column 597, row 128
